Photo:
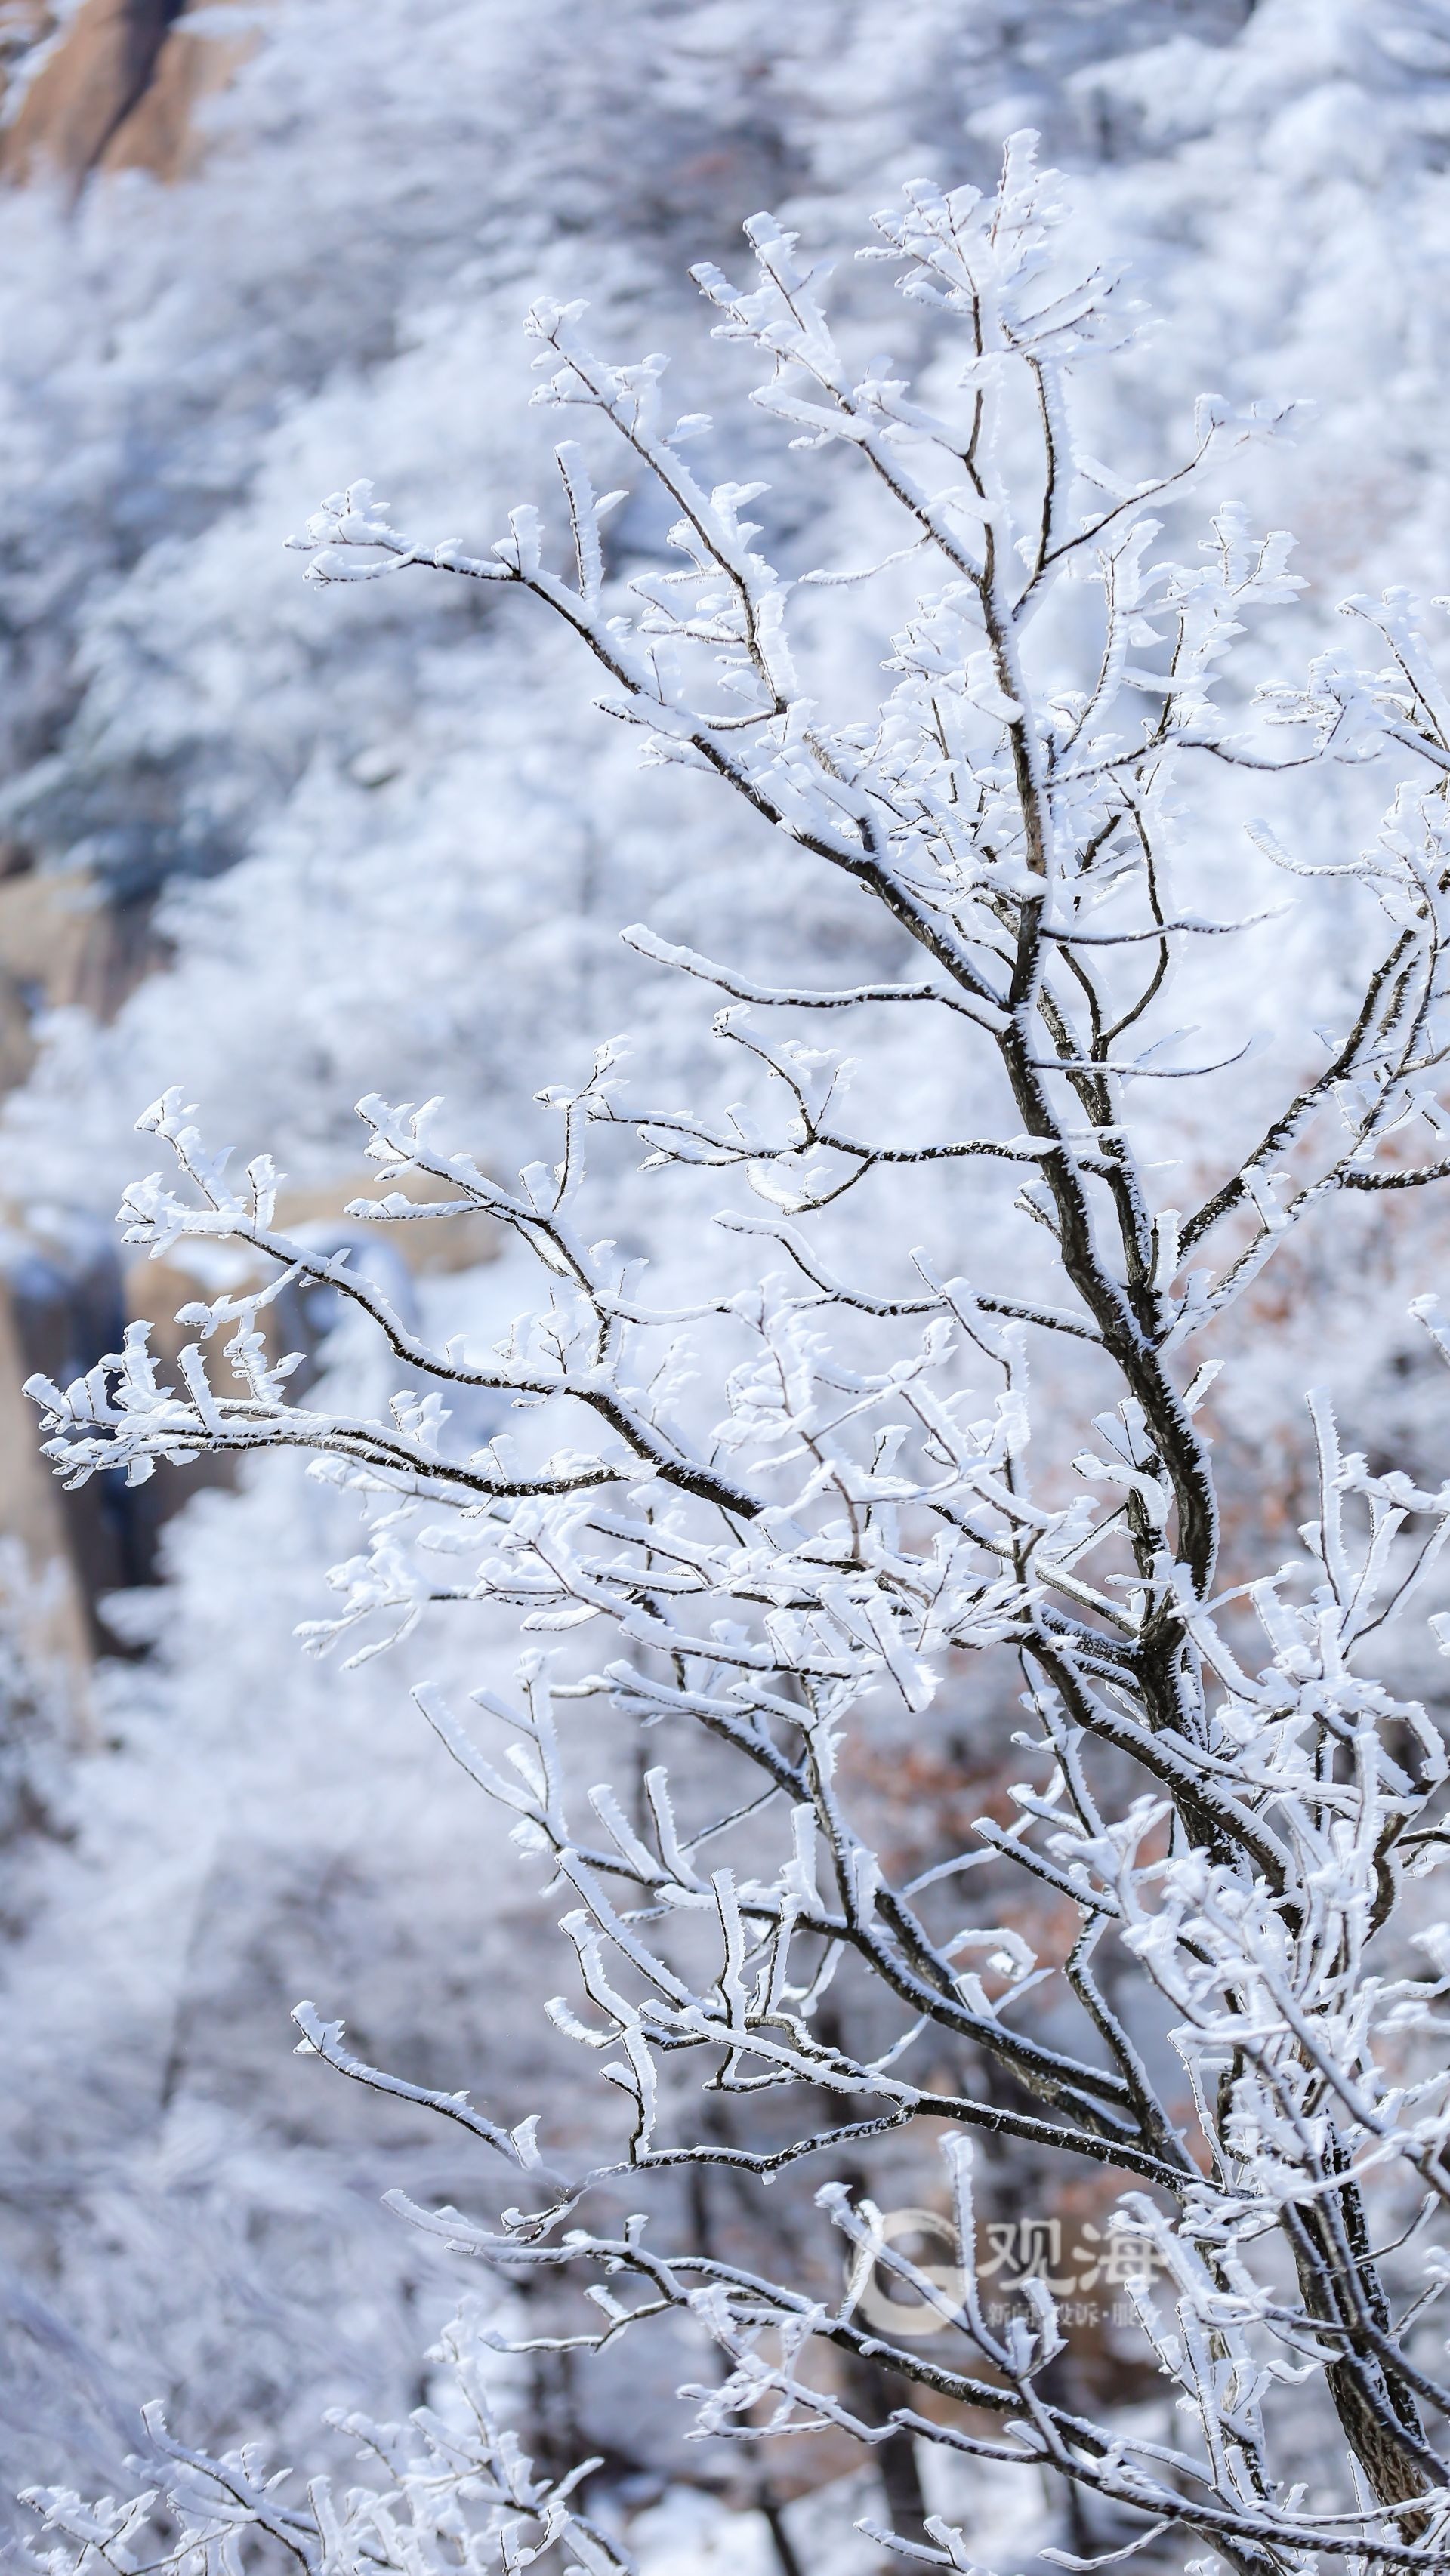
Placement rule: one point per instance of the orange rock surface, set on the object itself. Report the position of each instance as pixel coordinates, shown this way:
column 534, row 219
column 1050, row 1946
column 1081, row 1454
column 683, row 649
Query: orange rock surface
column 118, row 92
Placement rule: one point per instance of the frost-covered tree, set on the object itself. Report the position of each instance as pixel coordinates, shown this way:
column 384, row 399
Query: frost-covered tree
column 801, row 1499
column 316, row 779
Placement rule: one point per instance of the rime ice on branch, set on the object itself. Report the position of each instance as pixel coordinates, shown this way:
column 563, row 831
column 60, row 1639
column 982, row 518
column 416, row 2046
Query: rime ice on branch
column 851, row 1503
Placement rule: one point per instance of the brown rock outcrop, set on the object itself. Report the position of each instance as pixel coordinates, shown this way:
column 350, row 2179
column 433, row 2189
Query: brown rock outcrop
column 62, row 942
column 119, row 92
column 160, row 133
column 88, row 87
column 56, row 1627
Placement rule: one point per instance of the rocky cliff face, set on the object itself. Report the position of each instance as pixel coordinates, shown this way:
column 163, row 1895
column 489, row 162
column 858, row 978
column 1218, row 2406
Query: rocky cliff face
column 63, row 945
column 115, row 89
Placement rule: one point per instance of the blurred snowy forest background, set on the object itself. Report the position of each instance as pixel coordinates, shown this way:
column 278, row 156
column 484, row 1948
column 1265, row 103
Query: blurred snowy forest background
column 281, row 848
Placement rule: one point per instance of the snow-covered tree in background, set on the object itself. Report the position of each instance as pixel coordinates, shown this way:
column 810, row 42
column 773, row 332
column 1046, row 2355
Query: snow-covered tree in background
column 799, row 1498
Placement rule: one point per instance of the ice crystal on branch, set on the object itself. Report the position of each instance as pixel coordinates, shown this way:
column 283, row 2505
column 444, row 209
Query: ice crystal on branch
column 807, row 1496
